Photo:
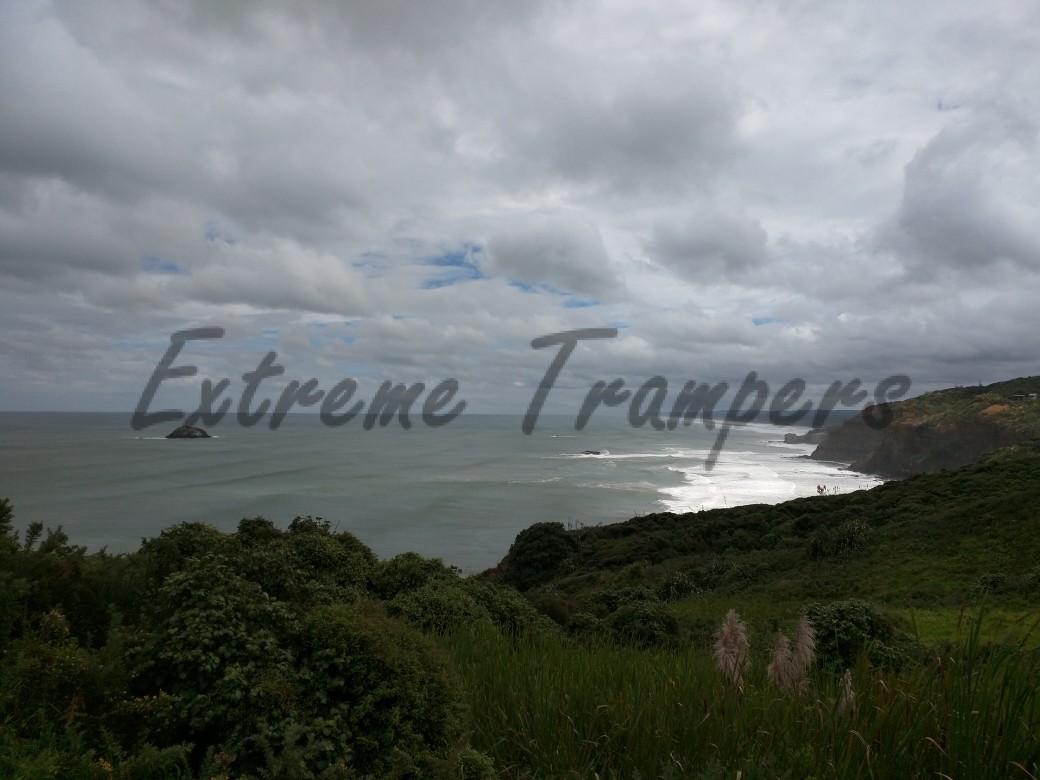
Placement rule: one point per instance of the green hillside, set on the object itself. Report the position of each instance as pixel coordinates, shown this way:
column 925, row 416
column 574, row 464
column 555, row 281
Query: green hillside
column 925, row 540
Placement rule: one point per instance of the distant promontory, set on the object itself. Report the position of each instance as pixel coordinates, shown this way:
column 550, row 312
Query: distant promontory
column 946, row 429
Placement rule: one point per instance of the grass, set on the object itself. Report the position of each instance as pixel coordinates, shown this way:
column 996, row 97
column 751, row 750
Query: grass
column 545, row 707
column 1000, row 624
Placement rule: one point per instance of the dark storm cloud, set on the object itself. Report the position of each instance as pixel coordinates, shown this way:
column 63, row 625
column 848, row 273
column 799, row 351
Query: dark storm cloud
column 968, row 200
column 800, row 187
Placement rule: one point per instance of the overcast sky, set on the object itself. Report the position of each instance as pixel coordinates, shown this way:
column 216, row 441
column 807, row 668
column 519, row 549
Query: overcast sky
column 416, row 190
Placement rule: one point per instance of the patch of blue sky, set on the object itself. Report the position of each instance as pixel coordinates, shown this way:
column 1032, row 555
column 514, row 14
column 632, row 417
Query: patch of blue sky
column 156, row 265
column 523, row 286
column 458, row 267
column 450, row 280
column 759, row 321
column 529, row 287
column 460, row 259
column 319, row 340
column 578, row 303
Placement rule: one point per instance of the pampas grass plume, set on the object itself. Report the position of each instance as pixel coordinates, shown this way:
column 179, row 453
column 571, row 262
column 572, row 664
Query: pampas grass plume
column 781, row 669
column 804, row 651
column 789, row 668
column 731, row 648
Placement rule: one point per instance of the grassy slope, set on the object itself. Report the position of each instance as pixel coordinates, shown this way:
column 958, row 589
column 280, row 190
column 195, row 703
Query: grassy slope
column 926, row 543
column 960, row 403
column 929, row 539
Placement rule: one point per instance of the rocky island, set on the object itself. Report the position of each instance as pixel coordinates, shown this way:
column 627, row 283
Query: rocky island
column 188, row 432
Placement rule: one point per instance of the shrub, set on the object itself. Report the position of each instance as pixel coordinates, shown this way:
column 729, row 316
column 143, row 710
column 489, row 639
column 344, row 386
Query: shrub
column 844, row 629
column 677, row 586
column 407, row 572
column 537, row 555
column 213, row 634
column 438, row 606
column 850, row 537
column 377, row 689
column 173, row 547
column 509, row 609
column 612, row 600
column 642, row 625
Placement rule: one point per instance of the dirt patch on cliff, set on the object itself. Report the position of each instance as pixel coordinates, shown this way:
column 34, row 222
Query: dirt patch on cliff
column 995, row 408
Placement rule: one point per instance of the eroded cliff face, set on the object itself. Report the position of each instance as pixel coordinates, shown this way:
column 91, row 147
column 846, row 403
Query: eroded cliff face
column 943, row 430
column 851, row 441
column 906, row 449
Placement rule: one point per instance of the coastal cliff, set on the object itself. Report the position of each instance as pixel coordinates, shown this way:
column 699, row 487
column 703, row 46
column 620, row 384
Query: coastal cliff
column 946, row 429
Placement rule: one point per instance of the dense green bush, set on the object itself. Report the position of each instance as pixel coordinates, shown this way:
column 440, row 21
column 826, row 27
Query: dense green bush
column 615, row 598
column 254, row 654
column 438, row 606
column 407, row 572
column 677, row 585
column 380, row 692
column 844, row 629
column 537, row 555
column 642, row 624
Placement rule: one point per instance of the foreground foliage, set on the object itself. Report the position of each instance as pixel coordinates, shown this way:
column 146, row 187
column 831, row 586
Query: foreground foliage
column 262, row 653
column 295, row 653
column 547, row 709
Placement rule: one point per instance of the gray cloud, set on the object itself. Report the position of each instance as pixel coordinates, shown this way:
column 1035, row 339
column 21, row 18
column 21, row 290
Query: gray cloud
column 969, row 201
column 710, row 244
column 558, row 249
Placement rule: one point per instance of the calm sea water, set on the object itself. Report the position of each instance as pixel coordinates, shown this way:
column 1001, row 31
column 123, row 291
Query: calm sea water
column 461, row 492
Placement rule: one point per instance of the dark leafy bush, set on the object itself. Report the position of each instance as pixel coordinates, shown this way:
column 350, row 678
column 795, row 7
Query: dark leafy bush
column 537, row 555
column 174, row 547
column 642, row 625
column 377, row 689
column 51, row 682
column 211, row 638
column 721, row 573
column 558, row 607
column 849, row 538
column 1031, row 582
column 844, row 629
column 508, row 609
column 407, row 572
column 612, row 600
column 676, row 586
column 438, row 606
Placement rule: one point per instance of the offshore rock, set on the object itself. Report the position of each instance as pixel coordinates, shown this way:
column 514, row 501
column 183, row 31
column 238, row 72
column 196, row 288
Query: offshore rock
column 188, row 432
column 815, row 436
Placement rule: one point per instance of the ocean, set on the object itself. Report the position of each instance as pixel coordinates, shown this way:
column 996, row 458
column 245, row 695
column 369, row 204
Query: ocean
column 460, row 492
